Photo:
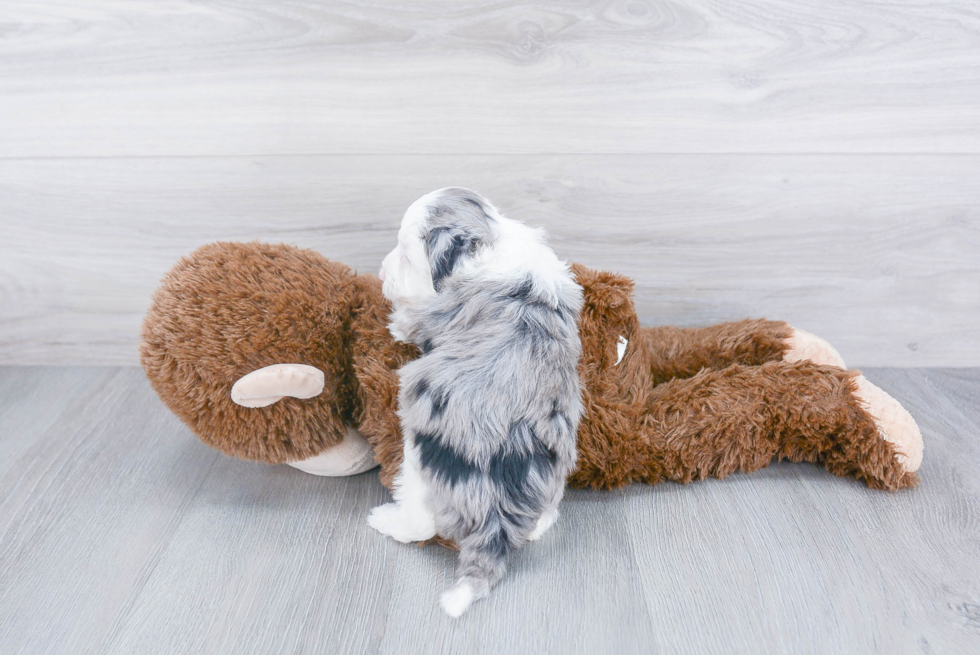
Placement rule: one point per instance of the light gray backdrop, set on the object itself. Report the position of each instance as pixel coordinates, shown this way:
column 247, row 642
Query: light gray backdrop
column 818, row 164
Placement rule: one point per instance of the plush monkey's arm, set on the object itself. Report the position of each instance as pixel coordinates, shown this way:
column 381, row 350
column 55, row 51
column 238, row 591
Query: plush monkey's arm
column 682, row 352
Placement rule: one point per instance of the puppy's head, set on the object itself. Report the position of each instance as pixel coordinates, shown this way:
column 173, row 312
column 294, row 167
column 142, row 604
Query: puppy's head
column 441, row 232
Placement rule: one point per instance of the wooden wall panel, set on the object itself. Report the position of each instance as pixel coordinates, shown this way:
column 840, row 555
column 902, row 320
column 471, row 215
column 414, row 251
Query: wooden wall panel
column 758, row 157
column 115, row 78
column 879, row 254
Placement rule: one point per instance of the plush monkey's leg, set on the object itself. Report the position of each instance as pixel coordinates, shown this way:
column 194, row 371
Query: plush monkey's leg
column 740, row 418
column 682, row 352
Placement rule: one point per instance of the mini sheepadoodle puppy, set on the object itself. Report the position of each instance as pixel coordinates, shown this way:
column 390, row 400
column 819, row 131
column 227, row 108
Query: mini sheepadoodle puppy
column 490, row 411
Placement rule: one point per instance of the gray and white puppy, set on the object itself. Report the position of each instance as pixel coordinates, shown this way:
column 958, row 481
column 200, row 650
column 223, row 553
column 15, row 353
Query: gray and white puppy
column 490, row 411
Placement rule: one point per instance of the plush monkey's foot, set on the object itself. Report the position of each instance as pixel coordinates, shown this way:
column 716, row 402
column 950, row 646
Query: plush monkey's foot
column 806, row 346
column 895, row 424
column 402, row 524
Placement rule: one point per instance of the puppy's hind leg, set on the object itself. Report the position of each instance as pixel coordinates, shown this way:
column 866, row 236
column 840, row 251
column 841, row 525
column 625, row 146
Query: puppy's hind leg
column 544, row 524
column 548, row 516
column 409, row 518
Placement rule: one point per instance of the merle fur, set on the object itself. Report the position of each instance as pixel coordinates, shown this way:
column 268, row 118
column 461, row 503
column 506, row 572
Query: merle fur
column 493, row 403
column 458, row 226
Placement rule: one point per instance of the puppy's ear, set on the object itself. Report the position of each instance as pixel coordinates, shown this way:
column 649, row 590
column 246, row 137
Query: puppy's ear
column 446, row 247
column 458, row 226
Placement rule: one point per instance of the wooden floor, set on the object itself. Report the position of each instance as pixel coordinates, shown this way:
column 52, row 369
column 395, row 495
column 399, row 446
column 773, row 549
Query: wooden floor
column 121, row 533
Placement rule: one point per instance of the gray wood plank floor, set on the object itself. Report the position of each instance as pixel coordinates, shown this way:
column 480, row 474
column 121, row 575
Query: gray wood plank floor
column 121, row 533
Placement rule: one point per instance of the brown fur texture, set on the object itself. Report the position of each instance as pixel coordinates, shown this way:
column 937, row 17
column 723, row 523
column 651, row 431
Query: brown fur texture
column 682, row 405
column 687, row 404
column 231, row 308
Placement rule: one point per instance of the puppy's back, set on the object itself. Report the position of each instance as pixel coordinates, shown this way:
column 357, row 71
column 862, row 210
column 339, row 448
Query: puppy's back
column 492, row 407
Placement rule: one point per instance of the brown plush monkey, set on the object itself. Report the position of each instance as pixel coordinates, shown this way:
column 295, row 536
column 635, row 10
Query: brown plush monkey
column 275, row 354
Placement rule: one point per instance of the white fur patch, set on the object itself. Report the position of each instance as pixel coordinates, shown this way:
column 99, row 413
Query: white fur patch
column 457, row 600
column 520, row 251
column 409, row 517
column 405, row 270
column 545, row 521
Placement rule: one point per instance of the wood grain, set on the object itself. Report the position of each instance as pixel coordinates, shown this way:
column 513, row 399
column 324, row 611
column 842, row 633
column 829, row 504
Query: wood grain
column 121, row 533
column 323, row 77
column 88, row 501
column 878, row 254
column 891, row 574
column 727, row 155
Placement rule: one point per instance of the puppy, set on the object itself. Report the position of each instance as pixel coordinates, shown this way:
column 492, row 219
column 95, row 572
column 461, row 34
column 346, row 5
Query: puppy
column 490, row 411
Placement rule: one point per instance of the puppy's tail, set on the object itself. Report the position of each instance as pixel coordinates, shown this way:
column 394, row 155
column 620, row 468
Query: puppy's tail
column 482, row 562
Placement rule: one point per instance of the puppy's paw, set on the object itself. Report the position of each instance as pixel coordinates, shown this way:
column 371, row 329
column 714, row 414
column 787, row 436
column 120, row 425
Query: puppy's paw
column 397, row 522
column 397, row 334
column 545, row 522
column 457, row 600
column 390, row 521
column 810, row 347
column 895, row 424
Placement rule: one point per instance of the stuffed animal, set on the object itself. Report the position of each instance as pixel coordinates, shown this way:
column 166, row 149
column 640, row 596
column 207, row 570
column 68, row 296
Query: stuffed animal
column 276, row 354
